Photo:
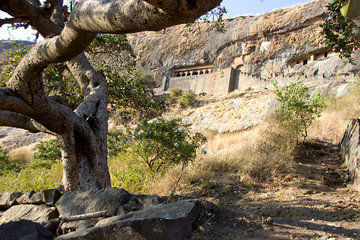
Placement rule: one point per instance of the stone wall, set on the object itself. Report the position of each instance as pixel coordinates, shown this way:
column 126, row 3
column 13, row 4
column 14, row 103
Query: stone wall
column 350, row 145
column 216, row 83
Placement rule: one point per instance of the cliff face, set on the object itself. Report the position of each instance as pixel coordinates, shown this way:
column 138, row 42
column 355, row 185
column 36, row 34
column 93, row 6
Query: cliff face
column 283, row 43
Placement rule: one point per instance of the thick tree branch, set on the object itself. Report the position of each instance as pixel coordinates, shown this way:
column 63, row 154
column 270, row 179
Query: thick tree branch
column 13, row 21
column 11, row 119
column 31, row 10
column 57, row 12
column 17, row 120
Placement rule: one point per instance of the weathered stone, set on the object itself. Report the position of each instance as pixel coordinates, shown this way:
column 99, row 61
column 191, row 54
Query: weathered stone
column 36, row 213
column 24, row 230
column 350, row 151
column 51, row 196
column 25, row 198
column 8, row 199
column 36, row 198
column 82, row 202
column 165, row 221
column 140, row 202
column 48, row 197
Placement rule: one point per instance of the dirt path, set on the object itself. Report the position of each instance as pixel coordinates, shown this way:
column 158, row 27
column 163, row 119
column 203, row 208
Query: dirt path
column 312, row 203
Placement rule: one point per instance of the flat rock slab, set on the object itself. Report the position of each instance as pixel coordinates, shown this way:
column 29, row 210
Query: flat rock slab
column 172, row 221
column 36, row 213
column 83, row 202
column 24, row 230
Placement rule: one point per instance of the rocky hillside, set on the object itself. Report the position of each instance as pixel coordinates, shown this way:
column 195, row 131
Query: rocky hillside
column 283, row 43
column 6, row 44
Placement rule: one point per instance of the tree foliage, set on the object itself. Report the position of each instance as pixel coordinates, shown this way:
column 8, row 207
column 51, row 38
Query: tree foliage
column 128, row 90
column 127, row 86
column 164, row 143
column 47, row 151
column 298, row 108
column 340, row 31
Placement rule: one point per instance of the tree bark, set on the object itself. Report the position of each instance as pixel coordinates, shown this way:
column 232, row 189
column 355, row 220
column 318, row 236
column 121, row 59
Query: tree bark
column 81, row 133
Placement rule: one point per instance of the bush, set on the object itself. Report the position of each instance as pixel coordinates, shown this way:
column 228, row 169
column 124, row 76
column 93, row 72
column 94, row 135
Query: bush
column 6, row 165
column 163, row 143
column 117, row 142
column 187, row 99
column 47, row 152
column 298, row 108
column 175, row 93
column 128, row 171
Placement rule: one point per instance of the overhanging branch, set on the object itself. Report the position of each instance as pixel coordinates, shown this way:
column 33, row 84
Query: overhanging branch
column 13, row 21
column 17, row 120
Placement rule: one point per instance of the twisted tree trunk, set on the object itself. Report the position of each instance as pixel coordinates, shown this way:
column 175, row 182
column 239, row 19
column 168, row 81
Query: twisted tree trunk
column 81, row 133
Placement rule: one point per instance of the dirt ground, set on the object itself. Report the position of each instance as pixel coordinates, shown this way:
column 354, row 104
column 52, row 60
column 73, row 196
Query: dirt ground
column 312, row 203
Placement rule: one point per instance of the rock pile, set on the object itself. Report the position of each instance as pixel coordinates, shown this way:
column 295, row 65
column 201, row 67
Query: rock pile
column 130, row 216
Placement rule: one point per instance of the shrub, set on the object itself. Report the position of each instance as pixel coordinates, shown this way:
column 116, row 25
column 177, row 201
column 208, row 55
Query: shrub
column 6, row 165
column 298, row 108
column 47, row 152
column 163, row 143
column 187, row 99
column 117, row 142
column 129, row 172
column 175, row 93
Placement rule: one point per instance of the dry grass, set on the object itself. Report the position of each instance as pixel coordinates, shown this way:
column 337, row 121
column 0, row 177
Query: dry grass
column 23, row 153
column 253, row 156
column 330, row 127
column 234, row 141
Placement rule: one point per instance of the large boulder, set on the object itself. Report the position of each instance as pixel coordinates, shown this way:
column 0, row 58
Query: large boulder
column 83, row 202
column 172, row 221
column 24, row 230
column 36, row 213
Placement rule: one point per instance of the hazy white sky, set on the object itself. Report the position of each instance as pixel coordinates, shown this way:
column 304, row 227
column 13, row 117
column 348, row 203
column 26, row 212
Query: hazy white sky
column 234, row 7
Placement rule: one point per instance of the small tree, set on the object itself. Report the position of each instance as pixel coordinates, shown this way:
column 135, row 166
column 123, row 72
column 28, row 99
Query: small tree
column 163, row 143
column 298, row 108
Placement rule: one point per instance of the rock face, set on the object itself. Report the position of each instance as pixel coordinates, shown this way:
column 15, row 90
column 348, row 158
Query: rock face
column 283, row 45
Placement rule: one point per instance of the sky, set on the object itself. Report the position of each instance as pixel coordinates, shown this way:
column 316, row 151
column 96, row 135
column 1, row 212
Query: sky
column 234, row 7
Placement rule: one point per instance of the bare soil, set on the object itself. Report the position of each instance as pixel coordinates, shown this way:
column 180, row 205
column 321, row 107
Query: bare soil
column 314, row 202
